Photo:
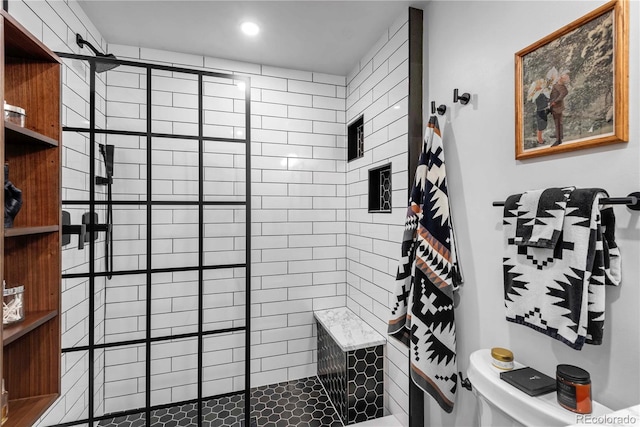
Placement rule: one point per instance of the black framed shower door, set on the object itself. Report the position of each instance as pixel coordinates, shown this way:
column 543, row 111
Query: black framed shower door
column 146, row 275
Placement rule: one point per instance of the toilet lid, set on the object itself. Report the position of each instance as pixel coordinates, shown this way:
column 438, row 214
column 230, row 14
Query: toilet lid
column 541, row 410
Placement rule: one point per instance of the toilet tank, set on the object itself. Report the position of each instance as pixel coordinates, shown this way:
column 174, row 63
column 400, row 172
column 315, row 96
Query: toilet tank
column 500, row 403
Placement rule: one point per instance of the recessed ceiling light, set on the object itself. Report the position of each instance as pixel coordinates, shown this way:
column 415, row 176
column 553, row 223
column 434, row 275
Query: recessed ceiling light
column 250, row 28
column 397, row 107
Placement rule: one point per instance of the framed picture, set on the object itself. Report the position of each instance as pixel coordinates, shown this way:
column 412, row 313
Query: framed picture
column 572, row 87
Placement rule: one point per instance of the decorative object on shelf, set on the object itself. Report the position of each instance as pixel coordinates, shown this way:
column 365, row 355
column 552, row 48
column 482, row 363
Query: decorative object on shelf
column 464, row 98
column 15, row 115
column 12, row 304
column 4, row 404
column 529, row 380
column 574, row 389
column 572, row 86
column 12, row 199
column 502, row 358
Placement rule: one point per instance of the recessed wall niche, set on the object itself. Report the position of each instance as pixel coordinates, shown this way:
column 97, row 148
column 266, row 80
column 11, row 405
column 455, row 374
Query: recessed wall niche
column 380, row 189
column 355, row 139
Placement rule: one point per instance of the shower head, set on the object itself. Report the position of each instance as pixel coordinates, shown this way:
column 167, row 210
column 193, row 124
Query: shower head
column 101, row 67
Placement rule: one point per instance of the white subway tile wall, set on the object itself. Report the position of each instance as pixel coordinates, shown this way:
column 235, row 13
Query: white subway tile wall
column 72, row 403
column 123, row 378
column 298, row 209
column 378, row 89
column 292, row 207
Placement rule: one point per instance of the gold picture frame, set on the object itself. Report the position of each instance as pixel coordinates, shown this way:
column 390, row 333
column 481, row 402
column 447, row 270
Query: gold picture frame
column 572, row 86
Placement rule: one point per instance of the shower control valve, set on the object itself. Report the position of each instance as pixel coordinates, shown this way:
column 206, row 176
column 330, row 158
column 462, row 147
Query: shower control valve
column 101, row 180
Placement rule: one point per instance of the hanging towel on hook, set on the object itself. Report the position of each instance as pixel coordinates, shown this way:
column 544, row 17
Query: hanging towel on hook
column 559, row 291
column 422, row 316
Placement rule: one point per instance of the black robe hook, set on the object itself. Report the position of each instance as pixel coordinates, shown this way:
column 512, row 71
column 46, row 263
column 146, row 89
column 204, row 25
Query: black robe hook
column 464, row 98
column 441, row 108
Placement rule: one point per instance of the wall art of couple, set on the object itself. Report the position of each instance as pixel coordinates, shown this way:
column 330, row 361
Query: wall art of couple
column 548, row 96
column 566, row 87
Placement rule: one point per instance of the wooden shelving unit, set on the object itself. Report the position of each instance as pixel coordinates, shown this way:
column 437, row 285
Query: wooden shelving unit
column 22, row 411
column 30, row 251
column 26, row 136
column 31, row 321
column 24, row 231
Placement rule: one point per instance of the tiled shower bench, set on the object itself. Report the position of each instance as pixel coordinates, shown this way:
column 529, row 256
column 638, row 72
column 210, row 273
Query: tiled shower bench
column 350, row 364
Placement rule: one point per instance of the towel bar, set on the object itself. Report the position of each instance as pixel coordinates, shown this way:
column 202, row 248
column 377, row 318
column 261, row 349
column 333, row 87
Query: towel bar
column 632, row 201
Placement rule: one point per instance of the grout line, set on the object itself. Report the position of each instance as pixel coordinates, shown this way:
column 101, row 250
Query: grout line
column 329, row 399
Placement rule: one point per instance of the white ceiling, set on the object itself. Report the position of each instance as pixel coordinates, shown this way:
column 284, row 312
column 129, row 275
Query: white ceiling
column 321, row 36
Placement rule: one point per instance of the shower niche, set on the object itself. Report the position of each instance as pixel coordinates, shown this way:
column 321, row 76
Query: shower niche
column 355, row 139
column 380, row 189
column 31, row 248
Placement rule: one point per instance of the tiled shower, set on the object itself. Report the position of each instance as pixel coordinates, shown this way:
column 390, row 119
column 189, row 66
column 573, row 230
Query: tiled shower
column 121, row 331
column 315, row 245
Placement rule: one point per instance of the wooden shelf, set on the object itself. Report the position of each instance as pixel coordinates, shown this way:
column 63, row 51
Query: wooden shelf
column 25, row 412
column 25, row 231
column 21, row 43
column 30, row 322
column 30, row 251
column 17, row 134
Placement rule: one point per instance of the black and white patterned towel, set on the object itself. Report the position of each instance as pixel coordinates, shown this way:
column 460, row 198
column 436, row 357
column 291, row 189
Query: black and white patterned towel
column 540, row 217
column 422, row 315
column 560, row 291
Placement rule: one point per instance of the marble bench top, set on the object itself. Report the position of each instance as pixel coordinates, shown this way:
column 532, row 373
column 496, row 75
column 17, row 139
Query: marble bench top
column 348, row 330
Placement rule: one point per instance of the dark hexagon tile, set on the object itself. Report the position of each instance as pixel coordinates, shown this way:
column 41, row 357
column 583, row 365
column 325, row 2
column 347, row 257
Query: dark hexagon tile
column 300, row 403
column 136, row 420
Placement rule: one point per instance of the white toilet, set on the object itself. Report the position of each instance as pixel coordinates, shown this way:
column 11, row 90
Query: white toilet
column 501, row 404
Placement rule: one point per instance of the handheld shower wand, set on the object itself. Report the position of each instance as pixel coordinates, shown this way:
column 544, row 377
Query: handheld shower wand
column 107, row 152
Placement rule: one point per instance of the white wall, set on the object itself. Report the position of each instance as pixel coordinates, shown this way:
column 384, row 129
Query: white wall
column 477, row 56
column 378, row 89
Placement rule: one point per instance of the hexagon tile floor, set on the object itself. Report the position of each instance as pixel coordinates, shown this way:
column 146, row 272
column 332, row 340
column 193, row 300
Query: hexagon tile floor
column 301, row 402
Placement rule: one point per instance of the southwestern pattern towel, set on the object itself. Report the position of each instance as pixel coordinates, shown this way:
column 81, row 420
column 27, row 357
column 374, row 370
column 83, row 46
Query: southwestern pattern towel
column 422, row 316
column 540, row 217
column 560, row 291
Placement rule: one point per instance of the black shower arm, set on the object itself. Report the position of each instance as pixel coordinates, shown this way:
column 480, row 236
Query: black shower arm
column 81, row 42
